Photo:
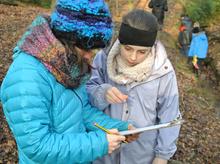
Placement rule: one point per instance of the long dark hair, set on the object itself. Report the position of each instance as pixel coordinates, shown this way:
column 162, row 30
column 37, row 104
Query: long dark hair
column 74, row 59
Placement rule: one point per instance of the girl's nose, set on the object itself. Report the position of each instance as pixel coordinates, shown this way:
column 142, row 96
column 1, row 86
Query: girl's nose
column 133, row 56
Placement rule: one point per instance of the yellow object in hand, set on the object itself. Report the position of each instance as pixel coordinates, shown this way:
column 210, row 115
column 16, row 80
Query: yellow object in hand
column 105, row 130
column 194, row 61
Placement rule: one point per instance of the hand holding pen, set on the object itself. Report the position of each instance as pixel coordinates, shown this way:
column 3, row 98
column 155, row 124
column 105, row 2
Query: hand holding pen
column 113, row 137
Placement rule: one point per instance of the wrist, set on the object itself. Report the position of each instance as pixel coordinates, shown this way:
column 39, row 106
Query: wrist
column 159, row 161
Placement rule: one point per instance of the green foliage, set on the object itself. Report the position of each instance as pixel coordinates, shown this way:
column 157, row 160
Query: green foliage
column 217, row 3
column 42, row 3
column 45, row 3
column 201, row 10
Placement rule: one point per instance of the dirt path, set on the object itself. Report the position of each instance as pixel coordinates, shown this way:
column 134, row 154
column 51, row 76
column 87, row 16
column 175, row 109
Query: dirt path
column 142, row 4
column 126, row 6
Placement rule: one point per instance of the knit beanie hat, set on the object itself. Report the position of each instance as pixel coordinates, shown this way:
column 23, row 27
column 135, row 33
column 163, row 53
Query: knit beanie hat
column 139, row 36
column 196, row 24
column 88, row 20
column 196, row 27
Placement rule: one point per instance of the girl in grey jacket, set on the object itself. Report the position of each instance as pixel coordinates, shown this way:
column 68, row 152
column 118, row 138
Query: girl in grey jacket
column 135, row 81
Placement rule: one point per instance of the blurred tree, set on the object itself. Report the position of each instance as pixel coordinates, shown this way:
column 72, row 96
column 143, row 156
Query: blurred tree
column 202, row 10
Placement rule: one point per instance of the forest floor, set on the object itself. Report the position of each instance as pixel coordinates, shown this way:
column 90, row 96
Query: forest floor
column 199, row 141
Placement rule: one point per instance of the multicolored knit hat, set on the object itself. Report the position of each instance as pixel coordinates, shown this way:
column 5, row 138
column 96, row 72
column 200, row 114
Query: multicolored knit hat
column 88, row 20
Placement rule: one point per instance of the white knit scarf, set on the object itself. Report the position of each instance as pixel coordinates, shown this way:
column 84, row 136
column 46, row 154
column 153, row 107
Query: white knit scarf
column 121, row 73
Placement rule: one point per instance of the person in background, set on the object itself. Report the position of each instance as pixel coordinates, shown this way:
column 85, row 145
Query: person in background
column 43, row 94
column 134, row 81
column 187, row 22
column 158, row 8
column 185, row 34
column 198, row 48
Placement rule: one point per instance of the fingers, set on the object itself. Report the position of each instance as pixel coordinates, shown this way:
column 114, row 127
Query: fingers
column 111, row 98
column 114, row 131
column 114, row 142
column 113, row 147
column 119, row 95
column 120, row 138
column 131, row 127
column 133, row 137
column 115, row 138
column 113, row 95
column 159, row 161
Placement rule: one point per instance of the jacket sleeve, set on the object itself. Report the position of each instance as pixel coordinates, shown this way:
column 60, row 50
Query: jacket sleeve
column 168, row 110
column 97, row 86
column 92, row 115
column 180, row 38
column 26, row 98
column 0, row 93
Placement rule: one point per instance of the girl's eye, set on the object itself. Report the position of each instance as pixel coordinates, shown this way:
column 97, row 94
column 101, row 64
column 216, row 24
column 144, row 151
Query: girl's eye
column 127, row 48
column 142, row 52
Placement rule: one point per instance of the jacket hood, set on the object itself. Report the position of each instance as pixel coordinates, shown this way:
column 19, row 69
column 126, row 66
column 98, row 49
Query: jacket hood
column 39, row 39
column 40, row 42
column 200, row 35
column 162, row 64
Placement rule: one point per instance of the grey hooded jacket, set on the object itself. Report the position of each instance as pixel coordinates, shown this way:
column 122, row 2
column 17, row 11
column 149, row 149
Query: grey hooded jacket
column 150, row 102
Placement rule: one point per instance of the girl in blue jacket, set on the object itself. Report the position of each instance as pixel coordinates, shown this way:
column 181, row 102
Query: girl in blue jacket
column 198, row 47
column 43, row 93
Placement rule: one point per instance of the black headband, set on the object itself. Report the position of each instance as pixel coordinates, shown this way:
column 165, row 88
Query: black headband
column 132, row 36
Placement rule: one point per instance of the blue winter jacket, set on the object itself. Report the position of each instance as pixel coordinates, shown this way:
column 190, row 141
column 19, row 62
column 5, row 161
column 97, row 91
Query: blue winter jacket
column 51, row 124
column 199, row 45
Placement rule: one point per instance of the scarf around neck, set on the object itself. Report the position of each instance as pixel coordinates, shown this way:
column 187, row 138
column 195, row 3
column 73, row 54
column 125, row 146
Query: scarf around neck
column 40, row 42
column 121, row 73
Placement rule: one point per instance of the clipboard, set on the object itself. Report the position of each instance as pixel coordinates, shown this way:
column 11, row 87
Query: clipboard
column 153, row 127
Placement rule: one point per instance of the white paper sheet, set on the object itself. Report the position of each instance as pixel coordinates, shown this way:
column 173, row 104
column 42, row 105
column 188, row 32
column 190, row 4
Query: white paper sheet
column 153, row 127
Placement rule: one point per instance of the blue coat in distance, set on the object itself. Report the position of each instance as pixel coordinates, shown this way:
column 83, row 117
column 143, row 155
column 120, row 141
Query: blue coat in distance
column 199, row 45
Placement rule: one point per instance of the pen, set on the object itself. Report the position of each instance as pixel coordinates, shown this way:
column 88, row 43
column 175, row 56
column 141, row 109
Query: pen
column 105, row 130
